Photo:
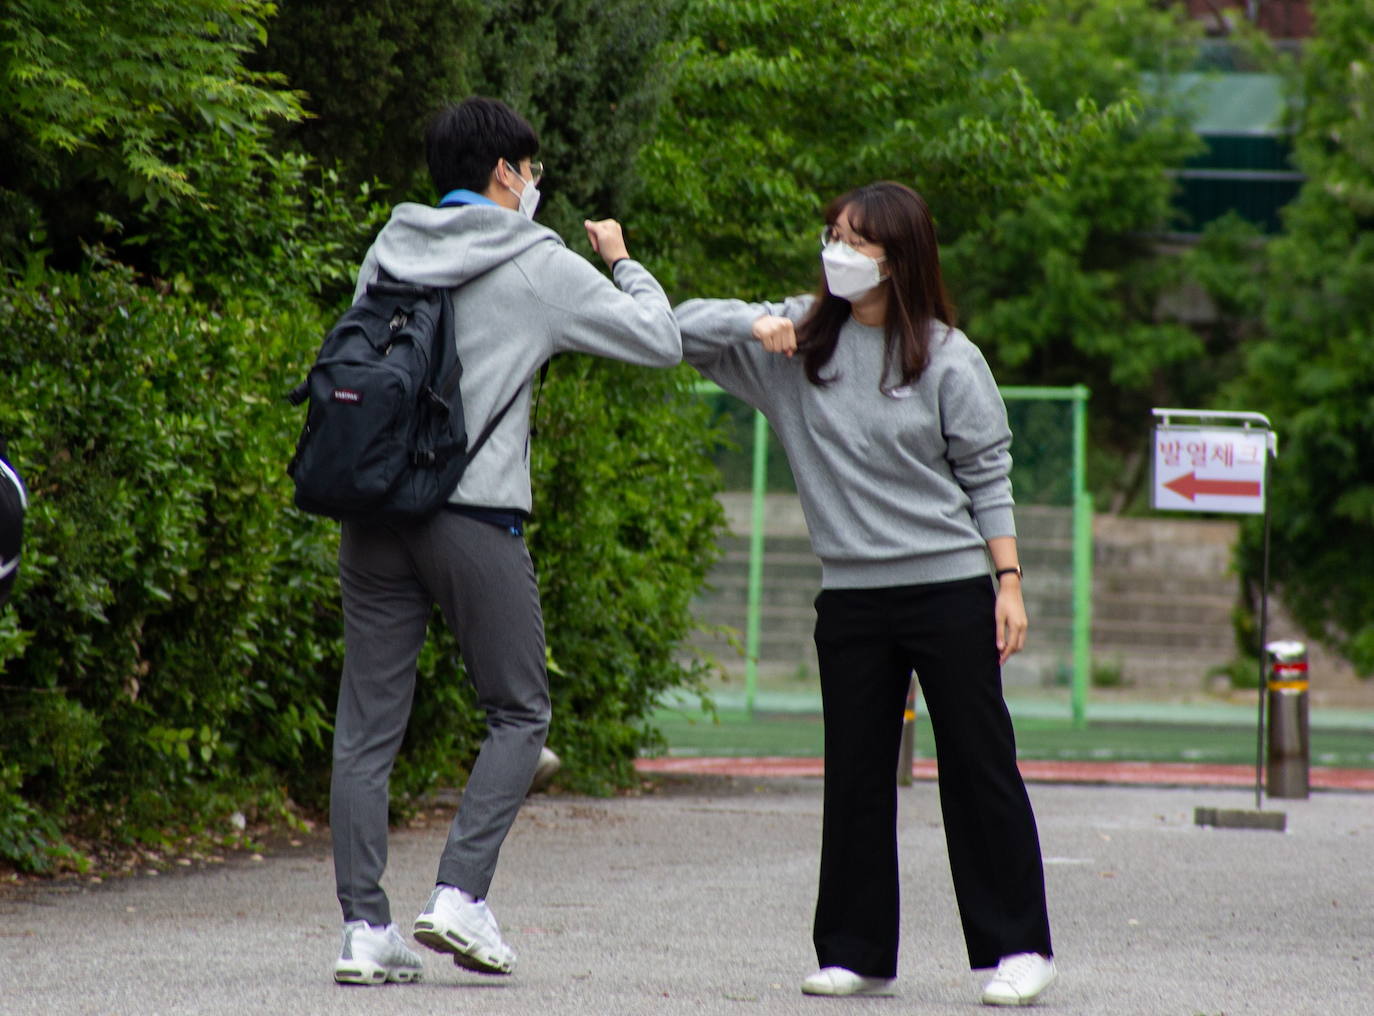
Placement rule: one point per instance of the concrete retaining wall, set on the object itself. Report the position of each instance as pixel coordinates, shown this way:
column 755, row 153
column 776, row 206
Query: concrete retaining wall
column 1163, row 597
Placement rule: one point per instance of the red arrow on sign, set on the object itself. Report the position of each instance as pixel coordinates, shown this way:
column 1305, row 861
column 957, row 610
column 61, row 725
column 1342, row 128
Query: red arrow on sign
column 1191, row 486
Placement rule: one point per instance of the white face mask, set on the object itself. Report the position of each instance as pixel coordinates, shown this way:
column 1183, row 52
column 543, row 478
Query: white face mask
column 849, row 274
column 529, row 197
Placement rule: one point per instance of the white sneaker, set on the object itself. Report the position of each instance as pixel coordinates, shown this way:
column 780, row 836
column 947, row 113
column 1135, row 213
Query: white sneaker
column 375, row 955
column 467, row 931
column 1019, row 980
column 549, row 763
column 840, row 981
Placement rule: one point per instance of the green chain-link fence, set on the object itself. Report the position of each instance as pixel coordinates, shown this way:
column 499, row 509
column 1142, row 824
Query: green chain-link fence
column 763, row 588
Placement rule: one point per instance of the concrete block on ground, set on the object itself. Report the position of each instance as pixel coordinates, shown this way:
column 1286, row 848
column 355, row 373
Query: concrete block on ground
column 1241, row 818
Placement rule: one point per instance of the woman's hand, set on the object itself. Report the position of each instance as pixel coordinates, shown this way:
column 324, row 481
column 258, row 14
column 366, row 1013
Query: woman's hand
column 1010, row 611
column 1011, row 618
column 777, row 334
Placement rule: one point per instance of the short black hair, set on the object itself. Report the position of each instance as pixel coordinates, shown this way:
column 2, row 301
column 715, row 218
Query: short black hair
column 464, row 142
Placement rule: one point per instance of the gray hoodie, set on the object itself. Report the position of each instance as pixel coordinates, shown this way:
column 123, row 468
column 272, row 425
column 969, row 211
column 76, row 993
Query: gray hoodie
column 900, row 485
column 522, row 297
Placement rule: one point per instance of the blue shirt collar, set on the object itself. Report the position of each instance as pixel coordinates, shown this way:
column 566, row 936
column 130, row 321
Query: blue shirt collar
column 463, row 196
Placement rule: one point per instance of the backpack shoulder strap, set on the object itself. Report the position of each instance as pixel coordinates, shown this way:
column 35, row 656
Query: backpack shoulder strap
column 501, row 413
column 448, row 365
column 543, row 376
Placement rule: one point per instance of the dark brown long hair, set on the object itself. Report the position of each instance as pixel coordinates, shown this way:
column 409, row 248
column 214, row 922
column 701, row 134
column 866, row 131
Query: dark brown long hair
column 896, row 217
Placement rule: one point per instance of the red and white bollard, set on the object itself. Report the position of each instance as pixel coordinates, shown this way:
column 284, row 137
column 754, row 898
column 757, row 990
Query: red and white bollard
column 1289, row 743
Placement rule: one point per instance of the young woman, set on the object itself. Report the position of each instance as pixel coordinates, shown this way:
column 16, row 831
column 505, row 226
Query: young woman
column 898, row 440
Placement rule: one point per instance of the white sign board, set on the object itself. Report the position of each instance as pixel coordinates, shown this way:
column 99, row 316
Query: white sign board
column 1210, row 469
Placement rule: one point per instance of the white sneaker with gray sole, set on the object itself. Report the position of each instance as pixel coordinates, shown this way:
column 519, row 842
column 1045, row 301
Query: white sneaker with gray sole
column 375, row 956
column 465, row 930
column 1019, row 980
column 843, row 981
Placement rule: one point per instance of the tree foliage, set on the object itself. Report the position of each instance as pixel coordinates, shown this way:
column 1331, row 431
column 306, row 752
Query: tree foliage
column 371, row 74
column 1065, row 286
column 586, row 74
column 102, row 102
column 590, row 76
column 780, row 105
column 1040, row 134
column 1311, row 367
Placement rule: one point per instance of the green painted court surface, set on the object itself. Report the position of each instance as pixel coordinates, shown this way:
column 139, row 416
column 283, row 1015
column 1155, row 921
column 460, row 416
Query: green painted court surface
column 798, row 735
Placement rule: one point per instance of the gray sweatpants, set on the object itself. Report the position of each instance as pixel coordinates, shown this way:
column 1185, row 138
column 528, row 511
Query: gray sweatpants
column 483, row 580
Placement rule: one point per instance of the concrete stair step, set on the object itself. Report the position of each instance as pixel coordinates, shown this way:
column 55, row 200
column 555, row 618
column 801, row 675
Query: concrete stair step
column 1199, row 562
column 1164, row 634
column 1129, row 585
column 772, row 560
column 1199, row 610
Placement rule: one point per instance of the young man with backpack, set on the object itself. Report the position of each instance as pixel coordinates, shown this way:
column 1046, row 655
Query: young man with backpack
column 518, row 297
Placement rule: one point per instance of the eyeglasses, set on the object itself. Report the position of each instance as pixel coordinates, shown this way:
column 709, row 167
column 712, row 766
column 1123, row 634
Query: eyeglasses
column 829, row 236
column 536, row 168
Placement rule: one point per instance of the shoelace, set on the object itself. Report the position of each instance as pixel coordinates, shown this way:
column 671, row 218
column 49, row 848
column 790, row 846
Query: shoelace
column 397, row 949
column 1015, row 967
column 488, row 918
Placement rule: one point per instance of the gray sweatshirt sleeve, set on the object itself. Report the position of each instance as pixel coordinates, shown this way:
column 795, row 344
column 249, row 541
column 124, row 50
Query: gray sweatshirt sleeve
column 588, row 314
column 974, row 419
column 717, row 339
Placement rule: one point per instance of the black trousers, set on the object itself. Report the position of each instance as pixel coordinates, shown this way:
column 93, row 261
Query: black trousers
column 868, row 641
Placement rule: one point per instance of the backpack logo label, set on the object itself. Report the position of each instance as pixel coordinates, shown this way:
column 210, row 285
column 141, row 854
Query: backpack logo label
column 351, row 395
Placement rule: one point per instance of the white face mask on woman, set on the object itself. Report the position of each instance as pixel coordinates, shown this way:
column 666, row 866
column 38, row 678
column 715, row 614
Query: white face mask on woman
column 849, row 274
column 529, row 197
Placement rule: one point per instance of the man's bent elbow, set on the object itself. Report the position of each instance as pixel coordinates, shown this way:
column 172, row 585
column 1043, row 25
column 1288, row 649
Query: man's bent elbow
column 668, row 357
column 665, row 347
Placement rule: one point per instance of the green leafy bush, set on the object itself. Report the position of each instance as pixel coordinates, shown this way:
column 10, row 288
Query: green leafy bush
column 624, row 533
column 174, row 641
column 273, row 224
column 168, row 611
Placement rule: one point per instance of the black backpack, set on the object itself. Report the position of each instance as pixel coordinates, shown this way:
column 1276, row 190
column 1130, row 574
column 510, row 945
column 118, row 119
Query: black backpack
column 384, row 438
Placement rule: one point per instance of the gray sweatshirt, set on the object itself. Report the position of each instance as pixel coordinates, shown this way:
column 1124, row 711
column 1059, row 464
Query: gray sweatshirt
column 900, row 486
column 523, row 296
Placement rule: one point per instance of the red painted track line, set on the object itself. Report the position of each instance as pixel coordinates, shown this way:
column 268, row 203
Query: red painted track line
column 1165, row 774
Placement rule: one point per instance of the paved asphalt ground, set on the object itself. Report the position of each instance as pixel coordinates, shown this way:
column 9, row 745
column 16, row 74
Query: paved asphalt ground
column 696, row 899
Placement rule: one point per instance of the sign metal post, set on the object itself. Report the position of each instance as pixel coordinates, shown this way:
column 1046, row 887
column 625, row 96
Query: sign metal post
column 1219, row 462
